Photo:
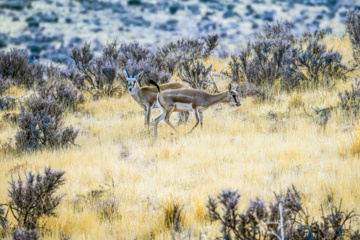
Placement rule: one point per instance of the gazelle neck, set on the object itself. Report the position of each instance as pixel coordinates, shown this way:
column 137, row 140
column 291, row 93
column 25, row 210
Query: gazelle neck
column 135, row 93
column 215, row 98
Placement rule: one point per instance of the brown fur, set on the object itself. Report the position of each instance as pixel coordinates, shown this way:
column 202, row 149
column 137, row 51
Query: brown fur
column 197, row 100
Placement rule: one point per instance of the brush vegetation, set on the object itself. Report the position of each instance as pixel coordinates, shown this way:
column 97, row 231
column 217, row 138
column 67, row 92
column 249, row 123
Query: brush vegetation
column 298, row 126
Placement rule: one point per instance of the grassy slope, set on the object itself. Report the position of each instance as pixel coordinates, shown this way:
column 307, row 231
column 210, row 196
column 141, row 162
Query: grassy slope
column 239, row 148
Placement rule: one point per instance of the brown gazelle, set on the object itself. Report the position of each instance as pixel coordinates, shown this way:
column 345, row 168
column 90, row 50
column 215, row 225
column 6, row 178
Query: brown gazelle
column 146, row 96
column 195, row 100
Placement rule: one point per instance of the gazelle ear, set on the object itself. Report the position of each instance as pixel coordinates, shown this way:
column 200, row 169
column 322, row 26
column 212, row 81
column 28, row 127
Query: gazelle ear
column 235, row 87
column 125, row 74
column 140, row 75
column 229, row 87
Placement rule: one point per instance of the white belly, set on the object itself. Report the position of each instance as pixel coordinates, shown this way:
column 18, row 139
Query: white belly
column 183, row 107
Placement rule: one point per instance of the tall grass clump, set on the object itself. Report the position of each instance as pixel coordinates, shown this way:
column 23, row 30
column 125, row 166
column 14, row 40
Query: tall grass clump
column 174, row 216
column 355, row 146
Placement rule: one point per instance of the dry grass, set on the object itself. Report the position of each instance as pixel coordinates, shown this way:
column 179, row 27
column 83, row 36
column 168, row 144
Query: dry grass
column 118, row 168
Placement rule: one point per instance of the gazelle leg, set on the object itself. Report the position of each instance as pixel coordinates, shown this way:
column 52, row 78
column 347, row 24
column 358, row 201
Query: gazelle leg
column 187, row 114
column 148, row 117
column 145, row 116
column 201, row 119
column 156, row 121
column 196, row 113
column 181, row 118
column 167, row 118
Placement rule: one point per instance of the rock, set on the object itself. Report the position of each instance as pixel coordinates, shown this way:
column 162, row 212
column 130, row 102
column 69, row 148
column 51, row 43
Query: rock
column 331, row 3
column 207, row 26
column 33, row 22
column 75, row 41
column 92, row 5
column 96, row 30
column 209, row 1
column 249, row 10
column 68, row 20
column 41, row 38
column 257, row 15
column 3, row 40
column 48, row 17
column 162, row 5
column 97, row 5
column 176, row 7
column 230, row 14
column 194, row 9
column 319, row 17
column 230, row 7
column 134, row 2
column 268, row 16
column 13, row 5
column 35, row 48
column 216, row 6
column 118, row 8
column 254, row 25
column 21, row 39
column 207, row 15
column 135, row 21
column 97, row 22
column 343, row 14
column 170, row 25
column 149, row 6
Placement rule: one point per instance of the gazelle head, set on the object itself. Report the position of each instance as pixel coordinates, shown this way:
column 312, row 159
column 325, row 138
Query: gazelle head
column 131, row 80
column 233, row 96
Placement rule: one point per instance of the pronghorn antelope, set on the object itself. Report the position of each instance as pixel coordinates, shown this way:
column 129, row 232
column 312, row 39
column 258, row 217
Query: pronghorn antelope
column 146, row 96
column 190, row 100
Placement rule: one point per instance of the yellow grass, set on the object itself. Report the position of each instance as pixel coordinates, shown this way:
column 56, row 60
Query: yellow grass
column 239, row 148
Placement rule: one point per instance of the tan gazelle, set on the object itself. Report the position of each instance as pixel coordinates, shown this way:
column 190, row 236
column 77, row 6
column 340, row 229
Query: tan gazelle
column 146, row 96
column 195, row 100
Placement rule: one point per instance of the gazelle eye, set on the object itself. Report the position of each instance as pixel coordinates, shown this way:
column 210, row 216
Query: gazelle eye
column 234, row 95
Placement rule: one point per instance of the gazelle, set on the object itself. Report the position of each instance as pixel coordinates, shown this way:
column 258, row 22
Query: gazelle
column 190, row 100
column 146, row 96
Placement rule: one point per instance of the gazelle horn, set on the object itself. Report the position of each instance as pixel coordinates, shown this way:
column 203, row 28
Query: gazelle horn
column 127, row 71
column 134, row 72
